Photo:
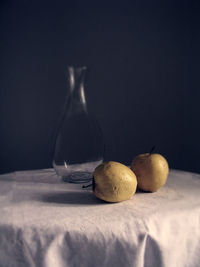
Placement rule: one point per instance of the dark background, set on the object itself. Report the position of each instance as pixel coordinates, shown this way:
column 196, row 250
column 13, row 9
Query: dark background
column 143, row 84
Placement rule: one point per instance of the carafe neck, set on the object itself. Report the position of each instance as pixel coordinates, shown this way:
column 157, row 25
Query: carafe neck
column 76, row 80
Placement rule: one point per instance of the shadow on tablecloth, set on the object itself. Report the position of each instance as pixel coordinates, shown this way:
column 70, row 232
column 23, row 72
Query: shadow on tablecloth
column 73, row 198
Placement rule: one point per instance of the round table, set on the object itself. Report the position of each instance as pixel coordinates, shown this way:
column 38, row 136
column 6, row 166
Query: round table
column 45, row 222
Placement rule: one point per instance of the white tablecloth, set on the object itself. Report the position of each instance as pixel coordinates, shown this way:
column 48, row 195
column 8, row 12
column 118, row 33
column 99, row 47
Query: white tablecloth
column 44, row 222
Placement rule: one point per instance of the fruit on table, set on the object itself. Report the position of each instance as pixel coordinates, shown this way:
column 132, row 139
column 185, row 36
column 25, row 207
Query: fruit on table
column 151, row 171
column 114, row 182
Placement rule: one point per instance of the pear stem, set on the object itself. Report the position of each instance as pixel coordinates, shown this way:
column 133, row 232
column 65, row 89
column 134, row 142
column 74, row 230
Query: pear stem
column 152, row 149
column 85, row 186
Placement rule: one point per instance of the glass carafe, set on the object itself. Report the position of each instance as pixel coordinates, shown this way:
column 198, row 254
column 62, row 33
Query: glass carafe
column 79, row 145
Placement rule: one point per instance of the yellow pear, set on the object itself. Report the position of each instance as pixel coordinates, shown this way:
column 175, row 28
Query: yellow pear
column 114, row 182
column 151, row 171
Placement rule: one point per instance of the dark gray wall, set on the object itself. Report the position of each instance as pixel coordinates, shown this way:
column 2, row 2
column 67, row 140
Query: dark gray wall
column 143, row 83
